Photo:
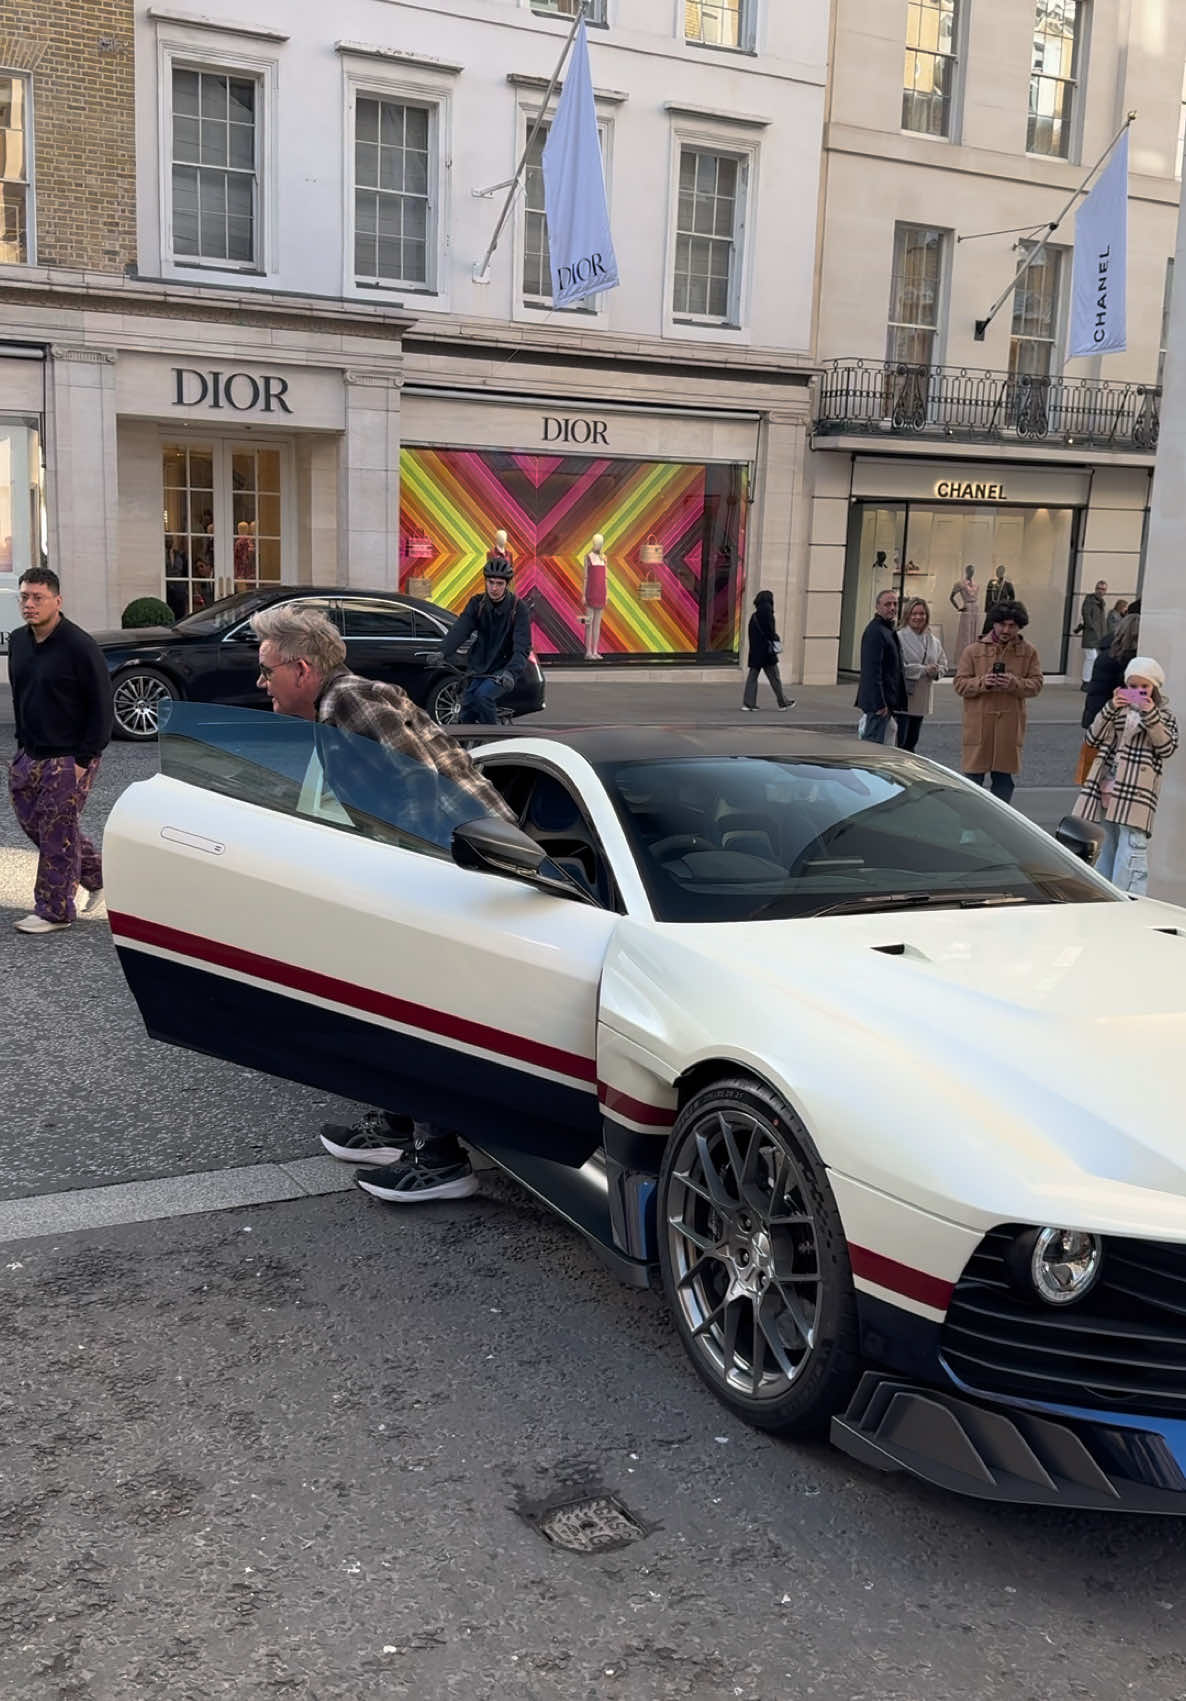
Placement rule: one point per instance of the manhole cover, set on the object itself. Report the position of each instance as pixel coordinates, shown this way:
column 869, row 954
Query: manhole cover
column 594, row 1525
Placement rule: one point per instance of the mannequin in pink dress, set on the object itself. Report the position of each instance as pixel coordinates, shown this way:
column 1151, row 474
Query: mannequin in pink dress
column 595, row 597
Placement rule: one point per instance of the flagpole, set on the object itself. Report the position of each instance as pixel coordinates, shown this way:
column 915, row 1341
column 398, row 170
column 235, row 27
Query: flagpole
column 1035, row 253
column 482, row 271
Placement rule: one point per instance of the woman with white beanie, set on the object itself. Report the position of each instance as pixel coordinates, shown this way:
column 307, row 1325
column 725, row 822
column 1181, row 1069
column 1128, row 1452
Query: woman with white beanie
column 1133, row 736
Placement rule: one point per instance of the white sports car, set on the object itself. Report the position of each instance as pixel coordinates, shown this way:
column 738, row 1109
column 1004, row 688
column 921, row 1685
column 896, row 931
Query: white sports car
column 880, row 1076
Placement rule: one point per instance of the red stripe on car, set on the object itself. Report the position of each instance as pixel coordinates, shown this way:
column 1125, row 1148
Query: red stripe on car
column 435, row 1022
column 637, row 1110
column 900, row 1278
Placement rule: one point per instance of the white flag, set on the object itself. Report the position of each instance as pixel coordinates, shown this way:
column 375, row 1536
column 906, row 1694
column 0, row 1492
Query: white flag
column 1099, row 277
column 579, row 239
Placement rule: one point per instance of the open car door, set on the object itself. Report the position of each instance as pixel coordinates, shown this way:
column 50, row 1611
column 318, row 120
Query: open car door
column 283, row 895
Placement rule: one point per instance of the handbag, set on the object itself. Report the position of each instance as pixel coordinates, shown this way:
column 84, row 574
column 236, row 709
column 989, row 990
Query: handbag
column 1087, row 756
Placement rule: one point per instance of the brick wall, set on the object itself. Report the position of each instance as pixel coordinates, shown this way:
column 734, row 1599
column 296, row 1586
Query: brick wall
column 79, row 54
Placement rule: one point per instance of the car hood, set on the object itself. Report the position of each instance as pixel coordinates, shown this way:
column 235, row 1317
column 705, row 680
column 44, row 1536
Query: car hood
column 129, row 636
column 1059, row 1028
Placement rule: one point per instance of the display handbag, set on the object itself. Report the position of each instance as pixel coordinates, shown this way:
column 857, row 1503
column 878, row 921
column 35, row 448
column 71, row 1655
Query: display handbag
column 650, row 553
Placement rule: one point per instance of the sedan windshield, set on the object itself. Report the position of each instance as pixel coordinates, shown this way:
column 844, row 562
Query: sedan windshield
column 741, row 838
column 209, row 622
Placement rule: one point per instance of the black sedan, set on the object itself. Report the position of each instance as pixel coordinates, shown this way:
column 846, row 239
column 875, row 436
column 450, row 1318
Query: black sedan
column 213, row 657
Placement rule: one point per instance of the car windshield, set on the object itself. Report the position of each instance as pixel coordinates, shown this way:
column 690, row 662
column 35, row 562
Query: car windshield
column 741, row 838
column 209, row 622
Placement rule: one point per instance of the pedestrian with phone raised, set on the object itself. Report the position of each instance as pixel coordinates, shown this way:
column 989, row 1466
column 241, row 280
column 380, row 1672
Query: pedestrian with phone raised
column 996, row 677
column 1134, row 735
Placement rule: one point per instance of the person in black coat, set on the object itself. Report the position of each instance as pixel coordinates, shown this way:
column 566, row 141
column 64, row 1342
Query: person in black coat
column 882, row 692
column 764, row 647
column 1107, row 674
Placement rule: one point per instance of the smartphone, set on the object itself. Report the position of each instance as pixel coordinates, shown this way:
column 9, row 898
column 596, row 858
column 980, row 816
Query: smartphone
column 1134, row 698
column 998, row 667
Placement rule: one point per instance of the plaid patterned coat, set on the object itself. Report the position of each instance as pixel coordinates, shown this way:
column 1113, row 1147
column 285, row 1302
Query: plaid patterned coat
column 1138, row 759
column 388, row 715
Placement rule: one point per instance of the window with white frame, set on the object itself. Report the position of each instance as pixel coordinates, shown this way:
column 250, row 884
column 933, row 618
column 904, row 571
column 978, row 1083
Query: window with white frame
column 1037, row 305
column 393, row 191
column 720, row 23
column 1060, row 27
column 916, row 296
column 215, row 167
column 594, row 9
column 710, row 221
column 16, row 178
column 537, row 255
column 932, row 66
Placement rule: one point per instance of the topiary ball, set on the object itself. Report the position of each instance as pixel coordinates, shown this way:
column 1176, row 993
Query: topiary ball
column 147, row 611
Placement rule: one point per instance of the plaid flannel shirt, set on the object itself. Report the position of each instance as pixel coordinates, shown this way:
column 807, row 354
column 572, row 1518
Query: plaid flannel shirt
column 1137, row 762
column 387, row 714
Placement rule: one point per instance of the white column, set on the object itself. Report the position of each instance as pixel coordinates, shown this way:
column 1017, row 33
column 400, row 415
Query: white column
column 1163, row 594
column 777, row 548
column 369, row 481
column 81, row 473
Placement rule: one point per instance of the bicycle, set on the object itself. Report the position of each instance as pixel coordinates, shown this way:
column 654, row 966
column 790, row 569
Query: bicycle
column 444, row 700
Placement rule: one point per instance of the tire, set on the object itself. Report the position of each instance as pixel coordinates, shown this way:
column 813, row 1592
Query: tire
column 138, row 693
column 444, row 700
column 790, row 1281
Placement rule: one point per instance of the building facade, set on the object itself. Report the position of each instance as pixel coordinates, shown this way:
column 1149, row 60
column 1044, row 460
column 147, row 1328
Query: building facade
column 299, row 370
column 932, row 450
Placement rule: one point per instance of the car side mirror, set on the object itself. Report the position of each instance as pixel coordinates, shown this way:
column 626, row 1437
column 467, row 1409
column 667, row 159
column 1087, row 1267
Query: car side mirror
column 1084, row 839
column 499, row 847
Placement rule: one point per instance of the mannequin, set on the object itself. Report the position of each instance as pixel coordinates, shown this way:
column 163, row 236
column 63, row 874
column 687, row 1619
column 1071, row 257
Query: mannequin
column 965, row 599
column 501, row 547
column 594, row 597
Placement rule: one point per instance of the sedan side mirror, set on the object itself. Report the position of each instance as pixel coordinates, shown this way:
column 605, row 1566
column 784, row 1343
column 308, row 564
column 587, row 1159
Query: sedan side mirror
column 1084, row 839
column 499, row 847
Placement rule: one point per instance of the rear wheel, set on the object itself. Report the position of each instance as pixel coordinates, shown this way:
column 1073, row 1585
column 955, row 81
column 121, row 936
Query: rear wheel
column 137, row 695
column 754, row 1260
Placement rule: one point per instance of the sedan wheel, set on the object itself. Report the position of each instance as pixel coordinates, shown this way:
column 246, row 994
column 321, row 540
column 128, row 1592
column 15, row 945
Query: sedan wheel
column 137, row 698
column 754, row 1260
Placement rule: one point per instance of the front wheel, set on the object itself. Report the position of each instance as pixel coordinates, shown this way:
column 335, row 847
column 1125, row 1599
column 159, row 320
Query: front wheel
column 754, row 1260
column 137, row 696
column 444, row 701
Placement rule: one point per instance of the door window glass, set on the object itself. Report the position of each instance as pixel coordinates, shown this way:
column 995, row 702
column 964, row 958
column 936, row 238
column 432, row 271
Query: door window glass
column 377, row 620
column 876, row 538
column 191, row 556
column 255, row 513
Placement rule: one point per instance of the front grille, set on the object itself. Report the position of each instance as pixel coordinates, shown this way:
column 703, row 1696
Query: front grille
column 1123, row 1347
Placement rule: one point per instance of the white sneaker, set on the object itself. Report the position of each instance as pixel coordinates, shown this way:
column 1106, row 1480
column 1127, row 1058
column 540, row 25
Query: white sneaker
column 90, row 900
column 38, row 924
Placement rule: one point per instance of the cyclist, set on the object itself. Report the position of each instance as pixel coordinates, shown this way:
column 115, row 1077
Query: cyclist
column 500, row 626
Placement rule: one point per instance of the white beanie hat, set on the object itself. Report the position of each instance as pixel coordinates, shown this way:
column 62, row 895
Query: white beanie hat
column 1144, row 667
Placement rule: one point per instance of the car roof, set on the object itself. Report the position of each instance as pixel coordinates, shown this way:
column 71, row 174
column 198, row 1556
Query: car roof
column 281, row 593
column 606, row 746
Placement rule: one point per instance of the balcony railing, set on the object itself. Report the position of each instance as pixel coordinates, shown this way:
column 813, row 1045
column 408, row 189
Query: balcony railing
column 955, row 403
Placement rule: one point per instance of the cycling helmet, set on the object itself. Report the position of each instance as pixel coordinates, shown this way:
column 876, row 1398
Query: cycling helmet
column 498, row 567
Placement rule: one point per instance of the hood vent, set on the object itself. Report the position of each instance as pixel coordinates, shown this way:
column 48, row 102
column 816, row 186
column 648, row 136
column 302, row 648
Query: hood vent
column 901, row 949
column 1174, row 932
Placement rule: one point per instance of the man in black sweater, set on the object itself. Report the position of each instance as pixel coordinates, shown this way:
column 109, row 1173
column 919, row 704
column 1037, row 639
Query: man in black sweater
column 61, row 699
column 882, row 689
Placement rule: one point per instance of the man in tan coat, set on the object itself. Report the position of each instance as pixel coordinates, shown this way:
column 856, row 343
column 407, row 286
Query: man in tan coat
column 995, row 677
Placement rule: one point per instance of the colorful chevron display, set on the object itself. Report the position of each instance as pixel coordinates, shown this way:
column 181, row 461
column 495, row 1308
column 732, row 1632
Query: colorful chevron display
column 674, row 539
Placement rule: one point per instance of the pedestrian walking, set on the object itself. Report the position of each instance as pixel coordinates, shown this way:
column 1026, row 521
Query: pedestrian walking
column 881, row 690
column 302, row 669
column 996, row 677
column 1133, row 736
column 765, row 647
column 61, row 701
column 1092, row 628
column 923, row 662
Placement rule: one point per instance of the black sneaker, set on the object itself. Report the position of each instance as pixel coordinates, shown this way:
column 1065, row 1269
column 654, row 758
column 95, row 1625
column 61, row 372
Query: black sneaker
column 374, row 1139
column 438, row 1169
column 789, row 704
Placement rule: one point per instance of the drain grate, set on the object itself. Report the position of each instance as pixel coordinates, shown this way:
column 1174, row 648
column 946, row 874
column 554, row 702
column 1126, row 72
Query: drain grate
column 595, row 1524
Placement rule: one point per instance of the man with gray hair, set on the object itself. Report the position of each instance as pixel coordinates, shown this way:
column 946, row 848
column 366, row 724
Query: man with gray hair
column 302, row 668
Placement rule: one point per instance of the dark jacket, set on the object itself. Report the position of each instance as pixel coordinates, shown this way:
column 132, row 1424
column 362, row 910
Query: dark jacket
column 1093, row 621
column 501, row 635
column 1106, row 676
column 883, row 678
column 763, row 635
column 998, row 590
column 61, row 693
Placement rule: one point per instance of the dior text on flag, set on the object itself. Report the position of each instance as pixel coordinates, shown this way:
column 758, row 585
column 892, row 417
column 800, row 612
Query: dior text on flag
column 1099, row 277
column 579, row 239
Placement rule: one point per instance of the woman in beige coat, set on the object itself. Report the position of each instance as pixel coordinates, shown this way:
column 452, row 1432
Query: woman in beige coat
column 923, row 662
column 996, row 677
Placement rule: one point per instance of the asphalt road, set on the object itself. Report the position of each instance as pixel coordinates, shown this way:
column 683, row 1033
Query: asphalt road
column 291, row 1449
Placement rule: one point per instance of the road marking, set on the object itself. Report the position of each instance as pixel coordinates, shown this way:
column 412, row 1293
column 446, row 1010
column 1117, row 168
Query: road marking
column 170, row 1196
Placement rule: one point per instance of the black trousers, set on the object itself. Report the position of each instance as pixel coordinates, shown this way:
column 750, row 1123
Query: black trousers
column 909, row 727
column 1001, row 786
column 750, row 699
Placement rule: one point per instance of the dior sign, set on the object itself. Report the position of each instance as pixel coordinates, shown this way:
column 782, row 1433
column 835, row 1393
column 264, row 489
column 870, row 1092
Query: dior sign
column 241, row 392
column 581, row 431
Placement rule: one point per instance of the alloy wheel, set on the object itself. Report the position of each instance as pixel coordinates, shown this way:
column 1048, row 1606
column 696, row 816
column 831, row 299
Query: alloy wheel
column 744, row 1252
column 137, row 700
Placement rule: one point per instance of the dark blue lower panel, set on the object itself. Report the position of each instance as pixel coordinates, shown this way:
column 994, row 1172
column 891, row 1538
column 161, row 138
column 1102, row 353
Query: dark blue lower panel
column 493, row 1104
column 896, row 1339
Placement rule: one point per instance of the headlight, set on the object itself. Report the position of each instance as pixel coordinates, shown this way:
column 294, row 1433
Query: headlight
column 1060, row 1265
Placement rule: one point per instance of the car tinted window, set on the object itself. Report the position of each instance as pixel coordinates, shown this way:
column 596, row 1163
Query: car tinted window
column 212, row 621
column 745, row 838
column 304, row 768
column 377, row 620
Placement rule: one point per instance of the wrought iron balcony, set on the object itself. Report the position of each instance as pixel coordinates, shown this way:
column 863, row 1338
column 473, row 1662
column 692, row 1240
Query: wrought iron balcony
column 954, row 403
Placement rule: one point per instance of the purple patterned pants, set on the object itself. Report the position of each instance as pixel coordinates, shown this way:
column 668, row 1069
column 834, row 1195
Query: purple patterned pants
column 47, row 800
